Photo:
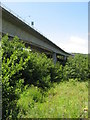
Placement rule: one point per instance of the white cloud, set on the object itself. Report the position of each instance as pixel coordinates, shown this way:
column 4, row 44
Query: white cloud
column 75, row 44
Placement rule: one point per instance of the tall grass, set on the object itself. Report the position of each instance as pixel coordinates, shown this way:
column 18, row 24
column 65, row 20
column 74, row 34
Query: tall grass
column 64, row 100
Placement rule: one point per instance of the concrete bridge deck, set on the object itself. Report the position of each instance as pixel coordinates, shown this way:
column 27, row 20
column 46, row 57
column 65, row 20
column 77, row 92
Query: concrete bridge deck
column 14, row 26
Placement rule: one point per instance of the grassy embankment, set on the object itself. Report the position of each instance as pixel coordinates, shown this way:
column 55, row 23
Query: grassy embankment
column 64, row 100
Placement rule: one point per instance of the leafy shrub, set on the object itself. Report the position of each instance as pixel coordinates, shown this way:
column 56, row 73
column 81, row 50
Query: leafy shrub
column 12, row 84
column 56, row 72
column 76, row 67
column 41, row 71
column 21, row 67
column 36, row 71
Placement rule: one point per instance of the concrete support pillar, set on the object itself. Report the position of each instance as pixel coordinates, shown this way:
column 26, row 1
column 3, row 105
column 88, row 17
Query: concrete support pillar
column 54, row 58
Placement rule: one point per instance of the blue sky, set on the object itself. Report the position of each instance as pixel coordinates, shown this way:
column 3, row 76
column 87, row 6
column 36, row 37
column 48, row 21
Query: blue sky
column 64, row 23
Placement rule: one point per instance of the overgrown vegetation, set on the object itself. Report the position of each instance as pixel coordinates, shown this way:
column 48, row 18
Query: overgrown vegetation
column 77, row 68
column 27, row 78
column 64, row 100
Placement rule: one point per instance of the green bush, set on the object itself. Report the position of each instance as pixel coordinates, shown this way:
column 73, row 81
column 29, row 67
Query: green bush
column 76, row 67
column 20, row 67
column 41, row 71
column 13, row 62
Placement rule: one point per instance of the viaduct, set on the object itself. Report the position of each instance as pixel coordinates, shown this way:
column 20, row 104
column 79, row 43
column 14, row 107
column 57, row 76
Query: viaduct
column 15, row 26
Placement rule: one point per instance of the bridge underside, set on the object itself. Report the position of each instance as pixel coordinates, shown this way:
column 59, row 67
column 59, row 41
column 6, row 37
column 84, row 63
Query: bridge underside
column 50, row 54
column 62, row 59
column 16, row 27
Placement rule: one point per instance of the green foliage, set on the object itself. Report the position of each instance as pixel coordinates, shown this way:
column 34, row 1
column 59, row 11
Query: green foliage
column 68, row 99
column 28, row 99
column 41, row 71
column 21, row 67
column 12, row 83
column 76, row 67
